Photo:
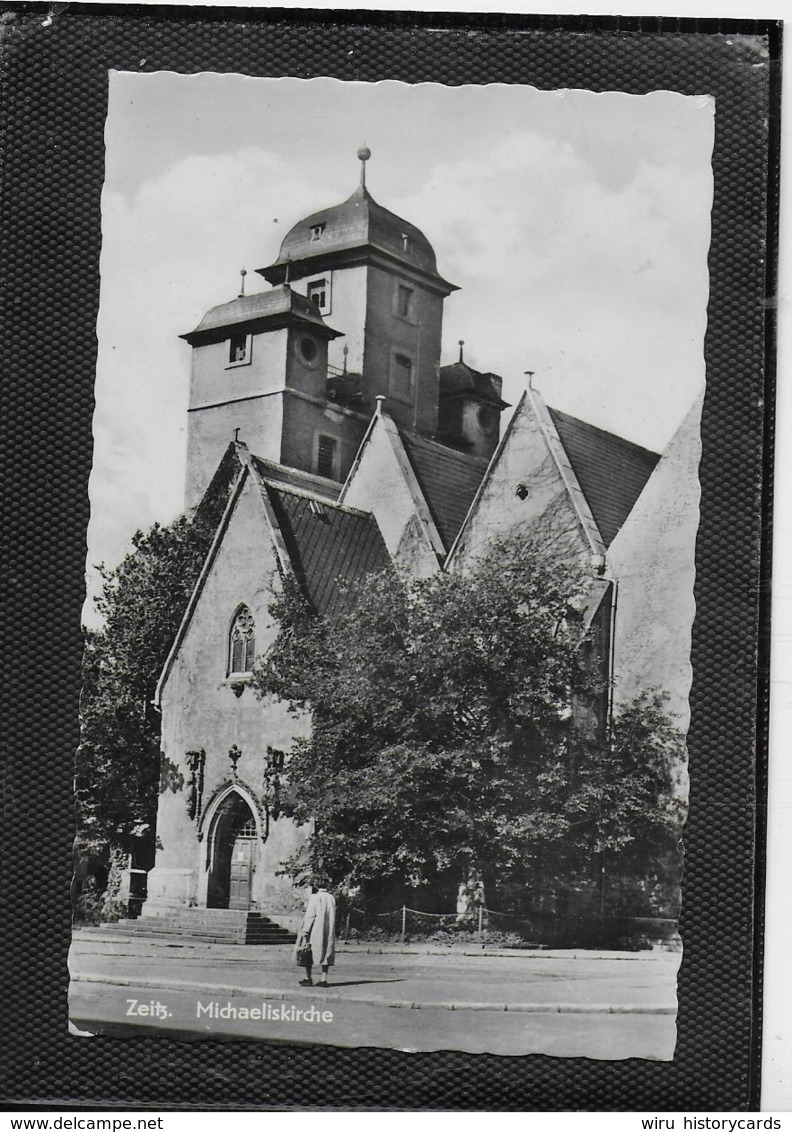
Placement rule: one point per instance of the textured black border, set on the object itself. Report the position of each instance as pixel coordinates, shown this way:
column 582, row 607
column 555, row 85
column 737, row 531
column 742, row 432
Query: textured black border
column 53, row 76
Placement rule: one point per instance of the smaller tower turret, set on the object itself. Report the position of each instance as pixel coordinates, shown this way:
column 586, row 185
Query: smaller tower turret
column 259, row 364
column 470, row 408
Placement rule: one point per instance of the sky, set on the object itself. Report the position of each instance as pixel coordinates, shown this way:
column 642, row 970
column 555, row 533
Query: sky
column 575, row 224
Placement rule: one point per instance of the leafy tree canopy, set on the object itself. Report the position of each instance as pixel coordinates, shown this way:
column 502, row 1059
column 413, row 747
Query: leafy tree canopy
column 444, row 740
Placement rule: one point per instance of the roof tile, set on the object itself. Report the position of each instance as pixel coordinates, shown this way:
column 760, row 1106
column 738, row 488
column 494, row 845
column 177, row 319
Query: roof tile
column 612, row 472
column 449, row 481
column 332, row 548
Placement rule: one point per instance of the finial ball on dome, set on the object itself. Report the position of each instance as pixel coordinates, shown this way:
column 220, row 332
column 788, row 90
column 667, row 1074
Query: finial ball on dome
column 364, row 153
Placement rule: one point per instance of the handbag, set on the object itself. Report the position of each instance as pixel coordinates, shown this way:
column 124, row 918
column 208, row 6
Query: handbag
column 304, row 955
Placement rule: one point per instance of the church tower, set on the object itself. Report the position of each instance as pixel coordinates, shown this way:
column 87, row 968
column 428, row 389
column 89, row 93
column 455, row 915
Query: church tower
column 374, row 276
column 355, row 313
column 259, row 366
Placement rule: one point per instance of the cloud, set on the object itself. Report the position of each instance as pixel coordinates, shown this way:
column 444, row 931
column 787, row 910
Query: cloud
column 600, row 288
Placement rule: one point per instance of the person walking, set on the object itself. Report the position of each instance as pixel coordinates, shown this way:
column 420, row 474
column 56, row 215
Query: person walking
column 318, row 934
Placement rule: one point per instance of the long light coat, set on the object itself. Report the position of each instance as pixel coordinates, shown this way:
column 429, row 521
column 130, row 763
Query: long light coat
column 318, row 927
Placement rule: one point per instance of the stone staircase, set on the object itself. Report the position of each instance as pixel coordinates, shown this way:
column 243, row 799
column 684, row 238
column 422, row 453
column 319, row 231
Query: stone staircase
column 205, row 925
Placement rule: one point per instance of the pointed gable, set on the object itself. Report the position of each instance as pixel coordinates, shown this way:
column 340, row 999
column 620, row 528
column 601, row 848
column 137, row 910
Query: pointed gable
column 240, row 563
column 612, row 472
column 530, row 491
column 275, row 522
column 382, row 481
column 653, row 556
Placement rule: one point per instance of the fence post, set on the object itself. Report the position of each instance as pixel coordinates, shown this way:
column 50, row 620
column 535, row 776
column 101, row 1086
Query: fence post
column 404, row 922
column 481, row 920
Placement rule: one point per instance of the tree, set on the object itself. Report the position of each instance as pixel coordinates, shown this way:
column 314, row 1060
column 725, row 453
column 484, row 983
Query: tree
column 444, row 741
column 118, row 763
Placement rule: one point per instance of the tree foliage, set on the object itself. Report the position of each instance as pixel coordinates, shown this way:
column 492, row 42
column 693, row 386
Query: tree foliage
column 444, row 740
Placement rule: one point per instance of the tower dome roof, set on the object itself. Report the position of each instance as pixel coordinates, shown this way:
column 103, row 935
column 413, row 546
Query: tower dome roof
column 357, row 223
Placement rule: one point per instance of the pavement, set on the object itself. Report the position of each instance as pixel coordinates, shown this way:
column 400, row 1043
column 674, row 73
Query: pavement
column 603, row 1004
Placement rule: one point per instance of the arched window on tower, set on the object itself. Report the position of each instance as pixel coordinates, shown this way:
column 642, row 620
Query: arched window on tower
column 242, row 642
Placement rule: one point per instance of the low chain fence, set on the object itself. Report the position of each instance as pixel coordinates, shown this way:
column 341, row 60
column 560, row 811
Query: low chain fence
column 478, row 925
column 484, row 927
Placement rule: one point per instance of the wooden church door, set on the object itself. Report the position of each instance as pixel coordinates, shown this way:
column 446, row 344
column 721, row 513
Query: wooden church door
column 234, row 856
column 242, row 860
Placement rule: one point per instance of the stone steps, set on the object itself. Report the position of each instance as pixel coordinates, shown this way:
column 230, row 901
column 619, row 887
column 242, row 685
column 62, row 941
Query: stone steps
column 206, row 925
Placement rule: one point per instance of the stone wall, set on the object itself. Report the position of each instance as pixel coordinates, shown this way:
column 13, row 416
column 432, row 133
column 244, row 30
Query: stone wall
column 347, row 313
column 304, row 421
column 653, row 558
column 202, row 712
column 417, row 336
column 209, row 432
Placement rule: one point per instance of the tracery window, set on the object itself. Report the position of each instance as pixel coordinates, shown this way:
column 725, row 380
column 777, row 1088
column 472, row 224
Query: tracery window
column 242, row 645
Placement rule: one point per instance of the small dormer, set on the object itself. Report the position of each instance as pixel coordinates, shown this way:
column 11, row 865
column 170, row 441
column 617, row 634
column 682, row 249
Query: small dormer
column 469, row 409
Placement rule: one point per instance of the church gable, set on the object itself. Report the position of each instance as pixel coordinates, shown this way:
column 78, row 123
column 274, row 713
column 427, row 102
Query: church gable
column 278, row 521
column 529, row 489
column 219, row 739
column 241, row 569
column 383, row 482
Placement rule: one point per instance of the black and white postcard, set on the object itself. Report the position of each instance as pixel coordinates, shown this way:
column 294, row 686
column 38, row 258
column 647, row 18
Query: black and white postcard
column 389, row 406
column 395, row 491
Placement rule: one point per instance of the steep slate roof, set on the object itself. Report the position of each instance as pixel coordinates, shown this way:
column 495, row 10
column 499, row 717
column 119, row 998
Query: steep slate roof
column 327, row 543
column 448, row 480
column 612, row 472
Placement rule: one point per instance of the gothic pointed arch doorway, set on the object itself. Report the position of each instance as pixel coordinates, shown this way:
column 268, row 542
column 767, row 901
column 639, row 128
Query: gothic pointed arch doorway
column 233, row 854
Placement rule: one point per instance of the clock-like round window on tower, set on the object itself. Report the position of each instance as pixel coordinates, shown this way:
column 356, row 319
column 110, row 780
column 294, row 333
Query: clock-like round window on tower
column 487, row 419
column 308, row 350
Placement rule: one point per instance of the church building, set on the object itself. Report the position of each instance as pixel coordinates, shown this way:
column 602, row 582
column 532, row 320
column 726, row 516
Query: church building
column 320, row 406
